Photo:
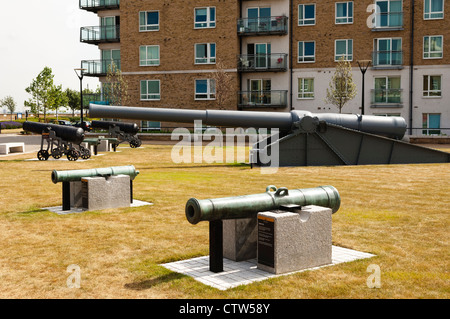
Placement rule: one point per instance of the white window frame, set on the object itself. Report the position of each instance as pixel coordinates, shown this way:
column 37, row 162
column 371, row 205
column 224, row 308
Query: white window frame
column 209, row 58
column 429, row 46
column 301, row 94
column 210, row 91
column 349, row 17
column 147, row 94
column 209, row 23
column 146, row 58
column 427, row 15
column 145, row 27
column 303, row 53
column 306, row 19
column 346, row 55
column 426, row 93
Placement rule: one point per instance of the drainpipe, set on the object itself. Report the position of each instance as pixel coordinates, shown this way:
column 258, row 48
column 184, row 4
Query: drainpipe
column 411, row 70
column 291, row 31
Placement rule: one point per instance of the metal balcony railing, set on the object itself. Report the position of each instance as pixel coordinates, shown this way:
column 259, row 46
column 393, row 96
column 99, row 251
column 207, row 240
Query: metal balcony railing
column 263, row 26
column 388, row 20
column 97, row 5
column 100, row 34
column 262, row 62
column 387, row 97
column 387, row 58
column 98, row 67
column 262, row 99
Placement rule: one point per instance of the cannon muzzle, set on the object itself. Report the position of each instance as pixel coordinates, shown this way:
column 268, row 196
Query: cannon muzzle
column 77, row 175
column 65, row 132
column 248, row 205
column 393, row 127
column 131, row 128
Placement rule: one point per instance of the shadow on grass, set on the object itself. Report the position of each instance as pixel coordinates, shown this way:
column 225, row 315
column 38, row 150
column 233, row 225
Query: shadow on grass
column 147, row 284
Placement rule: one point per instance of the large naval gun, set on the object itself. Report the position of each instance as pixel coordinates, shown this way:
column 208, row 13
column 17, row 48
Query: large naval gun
column 302, row 138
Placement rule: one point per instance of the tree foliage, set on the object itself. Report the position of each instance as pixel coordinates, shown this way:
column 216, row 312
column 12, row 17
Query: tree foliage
column 42, row 92
column 342, row 88
column 115, row 90
column 9, row 103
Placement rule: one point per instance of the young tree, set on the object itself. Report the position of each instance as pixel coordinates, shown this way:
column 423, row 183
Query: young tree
column 73, row 100
column 9, row 103
column 57, row 98
column 41, row 89
column 115, row 89
column 342, row 88
column 224, row 84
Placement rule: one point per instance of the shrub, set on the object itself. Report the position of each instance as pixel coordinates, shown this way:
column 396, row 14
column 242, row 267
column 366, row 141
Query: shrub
column 10, row 125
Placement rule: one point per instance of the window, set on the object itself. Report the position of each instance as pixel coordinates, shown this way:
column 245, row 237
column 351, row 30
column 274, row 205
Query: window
column 149, row 55
column 305, row 88
column 306, row 51
column 150, row 90
column 432, row 85
column 344, row 12
column 432, row 47
column 388, row 52
column 205, row 53
column 431, row 121
column 343, row 49
column 150, row 126
column 306, row 14
column 149, row 21
column 387, row 90
column 434, row 9
column 388, row 13
column 205, row 18
column 205, row 89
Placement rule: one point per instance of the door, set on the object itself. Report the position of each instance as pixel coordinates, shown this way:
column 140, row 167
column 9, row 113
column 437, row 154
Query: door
column 260, row 91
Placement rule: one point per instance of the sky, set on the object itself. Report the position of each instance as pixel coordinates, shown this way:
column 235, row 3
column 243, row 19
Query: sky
column 39, row 33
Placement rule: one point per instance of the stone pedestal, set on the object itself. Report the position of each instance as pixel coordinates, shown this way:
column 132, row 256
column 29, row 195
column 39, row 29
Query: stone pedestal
column 239, row 238
column 294, row 240
column 94, row 193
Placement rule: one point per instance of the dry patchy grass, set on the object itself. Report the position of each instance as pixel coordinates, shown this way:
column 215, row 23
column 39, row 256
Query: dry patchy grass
column 397, row 212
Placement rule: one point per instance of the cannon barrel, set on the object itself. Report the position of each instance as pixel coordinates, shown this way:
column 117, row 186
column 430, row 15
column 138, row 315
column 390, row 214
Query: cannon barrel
column 393, row 127
column 248, row 205
column 131, row 128
column 76, row 175
column 67, row 133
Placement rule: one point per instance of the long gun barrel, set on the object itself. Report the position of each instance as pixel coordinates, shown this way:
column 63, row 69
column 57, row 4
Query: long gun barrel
column 393, row 127
column 77, row 175
column 248, row 205
column 67, row 133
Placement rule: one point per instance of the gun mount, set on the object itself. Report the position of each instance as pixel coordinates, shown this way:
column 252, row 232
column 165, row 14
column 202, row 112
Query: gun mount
column 123, row 132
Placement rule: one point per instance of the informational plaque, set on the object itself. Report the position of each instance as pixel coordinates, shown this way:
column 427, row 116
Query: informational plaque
column 266, row 254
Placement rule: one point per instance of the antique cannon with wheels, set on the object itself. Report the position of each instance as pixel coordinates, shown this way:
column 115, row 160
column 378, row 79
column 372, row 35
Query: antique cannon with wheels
column 123, row 132
column 61, row 140
column 302, row 138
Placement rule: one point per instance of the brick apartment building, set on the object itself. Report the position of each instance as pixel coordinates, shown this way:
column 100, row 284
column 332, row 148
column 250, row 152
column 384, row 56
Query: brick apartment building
column 279, row 55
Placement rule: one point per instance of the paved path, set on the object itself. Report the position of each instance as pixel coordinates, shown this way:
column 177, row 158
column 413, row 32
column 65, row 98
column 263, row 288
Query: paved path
column 32, row 142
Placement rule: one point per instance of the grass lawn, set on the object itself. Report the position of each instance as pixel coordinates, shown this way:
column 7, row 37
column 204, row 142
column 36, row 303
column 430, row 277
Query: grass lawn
column 400, row 213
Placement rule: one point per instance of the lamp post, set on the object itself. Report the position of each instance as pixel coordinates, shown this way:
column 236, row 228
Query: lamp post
column 363, row 66
column 79, row 73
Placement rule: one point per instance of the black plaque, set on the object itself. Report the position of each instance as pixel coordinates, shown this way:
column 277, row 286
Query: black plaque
column 266, row 253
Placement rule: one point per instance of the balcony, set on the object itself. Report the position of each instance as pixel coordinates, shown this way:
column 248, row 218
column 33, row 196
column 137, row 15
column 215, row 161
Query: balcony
column 262, row 99
column 387, row 59
column 97, row 5
column 387, row 98
column 102, row 34
column 275, row 62
column 263, row 26
column 388, row 21
column 98, row 67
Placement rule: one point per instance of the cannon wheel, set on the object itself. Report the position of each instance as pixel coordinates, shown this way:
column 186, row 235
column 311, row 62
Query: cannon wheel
column 56, row 153
column 43, row 155
column 85, row 153
column 135, row 143
column 72, row 155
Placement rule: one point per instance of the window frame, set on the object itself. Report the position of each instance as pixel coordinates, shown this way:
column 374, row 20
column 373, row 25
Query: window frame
column 429, row 46
column 346, row 55
column 306, row 19
column 349, row 19
column 146, row 53
column 210, row 95
column 158, row 98
column 426, row 92
column 210, row 24
column 301, row 93
column 425, row 17
column 209, row 58
column 145, row 27
column 303, row 55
